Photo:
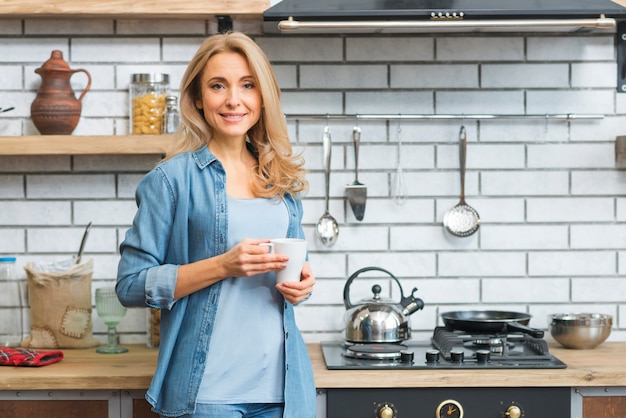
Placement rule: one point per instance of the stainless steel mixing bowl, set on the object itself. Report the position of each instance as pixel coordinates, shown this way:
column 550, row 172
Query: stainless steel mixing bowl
column 580, row 330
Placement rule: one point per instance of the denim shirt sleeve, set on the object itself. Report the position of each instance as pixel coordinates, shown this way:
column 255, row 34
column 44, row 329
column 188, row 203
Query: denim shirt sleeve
column 143, row 277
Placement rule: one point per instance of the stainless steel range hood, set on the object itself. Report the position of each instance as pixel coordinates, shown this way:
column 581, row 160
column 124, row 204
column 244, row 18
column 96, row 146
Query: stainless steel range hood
column 388, row 16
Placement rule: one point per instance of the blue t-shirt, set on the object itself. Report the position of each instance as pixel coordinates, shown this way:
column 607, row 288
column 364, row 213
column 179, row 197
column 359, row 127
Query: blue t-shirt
column 245, row 363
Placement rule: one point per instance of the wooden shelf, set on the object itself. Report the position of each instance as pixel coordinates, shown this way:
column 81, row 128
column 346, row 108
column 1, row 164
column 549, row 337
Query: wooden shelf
column 83, row 145
column 135, row 9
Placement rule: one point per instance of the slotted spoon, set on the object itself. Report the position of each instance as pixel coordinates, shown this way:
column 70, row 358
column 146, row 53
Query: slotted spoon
column 462, row 220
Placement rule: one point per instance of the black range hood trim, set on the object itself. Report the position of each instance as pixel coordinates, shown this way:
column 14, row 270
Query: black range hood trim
column 451, row 22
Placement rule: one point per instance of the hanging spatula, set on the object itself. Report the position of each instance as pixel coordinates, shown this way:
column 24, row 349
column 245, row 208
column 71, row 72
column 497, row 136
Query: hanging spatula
column 357, row 192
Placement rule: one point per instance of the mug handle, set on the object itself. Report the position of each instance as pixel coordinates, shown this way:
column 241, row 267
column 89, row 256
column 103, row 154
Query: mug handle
column 269, row 245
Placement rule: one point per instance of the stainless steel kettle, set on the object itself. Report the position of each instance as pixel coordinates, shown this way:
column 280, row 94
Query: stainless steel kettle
column 379, row 320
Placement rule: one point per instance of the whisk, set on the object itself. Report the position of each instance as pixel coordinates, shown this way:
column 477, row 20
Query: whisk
column 398, row 190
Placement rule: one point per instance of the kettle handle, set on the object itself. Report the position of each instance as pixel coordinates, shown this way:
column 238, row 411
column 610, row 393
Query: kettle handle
column 346, row 288
column 86, row 89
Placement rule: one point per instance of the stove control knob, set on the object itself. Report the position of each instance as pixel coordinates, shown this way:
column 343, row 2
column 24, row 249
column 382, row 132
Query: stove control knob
column 385, row 412
column 432, row 356
column 482, row 356
column 406, row 356
column 513, row 411
column 457, row 356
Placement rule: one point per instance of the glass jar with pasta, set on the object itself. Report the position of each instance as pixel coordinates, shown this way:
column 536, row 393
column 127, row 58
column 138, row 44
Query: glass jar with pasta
column 147, row 102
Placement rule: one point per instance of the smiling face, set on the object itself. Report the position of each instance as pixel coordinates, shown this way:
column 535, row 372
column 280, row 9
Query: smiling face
column 230, row 97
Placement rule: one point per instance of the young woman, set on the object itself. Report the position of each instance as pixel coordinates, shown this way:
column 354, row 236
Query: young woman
column 229, row 346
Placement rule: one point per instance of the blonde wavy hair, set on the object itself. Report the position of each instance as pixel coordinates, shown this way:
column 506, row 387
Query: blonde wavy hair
column 279, row 171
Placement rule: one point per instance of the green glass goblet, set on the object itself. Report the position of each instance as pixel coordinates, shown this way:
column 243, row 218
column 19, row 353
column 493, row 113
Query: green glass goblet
column 111, row 312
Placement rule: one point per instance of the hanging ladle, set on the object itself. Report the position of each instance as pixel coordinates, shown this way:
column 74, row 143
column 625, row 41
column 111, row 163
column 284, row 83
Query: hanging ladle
column 462, row 220
column 327, row 228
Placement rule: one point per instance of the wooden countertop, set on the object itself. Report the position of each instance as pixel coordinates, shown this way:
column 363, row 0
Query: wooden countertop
column 85, row 369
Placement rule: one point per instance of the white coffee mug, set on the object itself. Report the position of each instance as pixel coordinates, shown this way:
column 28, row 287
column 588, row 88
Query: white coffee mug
column 295, row 249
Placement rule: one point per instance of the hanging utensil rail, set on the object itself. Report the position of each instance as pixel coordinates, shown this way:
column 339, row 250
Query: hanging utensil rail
column 563, row 116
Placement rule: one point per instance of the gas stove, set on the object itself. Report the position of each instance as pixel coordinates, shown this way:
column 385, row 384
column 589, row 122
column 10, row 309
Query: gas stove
column 446, row 350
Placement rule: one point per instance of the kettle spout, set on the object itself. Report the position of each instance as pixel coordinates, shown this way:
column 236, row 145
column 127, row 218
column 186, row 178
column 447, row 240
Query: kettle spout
column 411, row 304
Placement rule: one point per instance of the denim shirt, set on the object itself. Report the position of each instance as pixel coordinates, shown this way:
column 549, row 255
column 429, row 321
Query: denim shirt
column 182, row 218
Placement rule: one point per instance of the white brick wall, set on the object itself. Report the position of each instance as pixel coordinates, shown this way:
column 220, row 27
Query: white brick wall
column 549, row 192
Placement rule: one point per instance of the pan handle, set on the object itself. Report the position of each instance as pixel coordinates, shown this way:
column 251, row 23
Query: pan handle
column 516, row 326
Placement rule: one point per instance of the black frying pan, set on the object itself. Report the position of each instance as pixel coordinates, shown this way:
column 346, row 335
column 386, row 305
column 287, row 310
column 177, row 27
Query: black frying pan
column 490, row 322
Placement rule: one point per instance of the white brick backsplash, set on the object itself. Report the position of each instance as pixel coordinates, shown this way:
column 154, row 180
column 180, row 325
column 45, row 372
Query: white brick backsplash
column 41, row 240
column 108, row 104
column 435, row 183
column 160, row 27
column 509, row 210
column 396, row 102
column 486, row 102
column 83, row 26
column 481, row 264
column 475, row 49
column 10, row 27
column 621, row 209
column 401, row 265
column 598, row 236
column 524, row 237
column 570, row 48
column 126, row 185
column 387, row 211
column 445, row 291
column 610, row 182
column 532, row 183
column 524, row 131
column 312, row 103
column 11, row 240
column 536, row 290
column 35, row 213
column 343, row 76
column 35, row 50
column 600, row 288
column 594, row 75
column 569, row 209
column 432, row 76
column 11, row 78
column 181, row 50
column 427, row 238
column 572, row 263
column 12, row 186
column 116, row 49
column 326, row 265
column 576, row 101
column 571, row 155
column 549, row 192
column 104, row 212
column 389, row 49
column 482, row 156
column 95, row 163
column 279, row 48
column 599, row 130
column 524, row 75
column 287, row 76
column 68, row 186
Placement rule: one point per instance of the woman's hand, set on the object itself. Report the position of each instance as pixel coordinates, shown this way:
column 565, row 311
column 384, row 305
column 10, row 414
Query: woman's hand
column 248, row 258
column 245, row 259
column 296, row 292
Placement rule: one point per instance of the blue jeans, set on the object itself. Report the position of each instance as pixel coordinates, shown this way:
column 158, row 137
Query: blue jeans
column 243, row 410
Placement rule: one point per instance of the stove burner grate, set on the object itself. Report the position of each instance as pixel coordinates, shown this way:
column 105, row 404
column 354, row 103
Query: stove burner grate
column 503, row 345
column 386, row 351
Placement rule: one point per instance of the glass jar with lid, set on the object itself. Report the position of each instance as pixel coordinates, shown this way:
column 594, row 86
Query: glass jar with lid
column 11, row 327
column 147, row 102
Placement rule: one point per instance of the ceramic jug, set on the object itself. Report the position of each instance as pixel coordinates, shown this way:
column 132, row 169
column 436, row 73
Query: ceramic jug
column 56, row 110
